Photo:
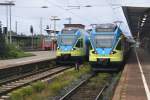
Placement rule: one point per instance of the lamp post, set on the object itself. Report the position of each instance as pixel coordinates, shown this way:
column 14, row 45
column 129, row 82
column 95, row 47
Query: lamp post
column 10, row 18
column 54, row 18
column 8, row 4
column 41, row 22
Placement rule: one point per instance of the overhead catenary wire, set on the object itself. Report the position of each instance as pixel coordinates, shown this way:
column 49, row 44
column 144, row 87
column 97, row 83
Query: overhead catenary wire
column 59, row 6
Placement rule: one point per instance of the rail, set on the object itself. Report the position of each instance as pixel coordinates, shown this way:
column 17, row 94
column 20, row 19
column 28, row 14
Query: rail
column 10, row 86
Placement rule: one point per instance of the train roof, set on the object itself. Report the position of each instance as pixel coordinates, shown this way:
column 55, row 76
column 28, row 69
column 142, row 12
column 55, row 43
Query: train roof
column 105, row 27
column 81, row 26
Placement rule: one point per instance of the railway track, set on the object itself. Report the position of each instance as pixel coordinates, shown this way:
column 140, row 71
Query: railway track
column 9, row 86
column 16, row 77
column 86, row 90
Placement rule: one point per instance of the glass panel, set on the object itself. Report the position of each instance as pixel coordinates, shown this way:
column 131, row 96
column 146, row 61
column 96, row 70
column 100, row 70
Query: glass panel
column 69, row 31
column 103, row 40
column 67, row 40
column 80, row 43
column 105, row 28
column 119, row 45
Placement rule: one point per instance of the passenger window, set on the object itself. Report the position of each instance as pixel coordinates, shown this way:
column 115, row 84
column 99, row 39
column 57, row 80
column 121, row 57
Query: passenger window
column 119, row 45
column 80, row 43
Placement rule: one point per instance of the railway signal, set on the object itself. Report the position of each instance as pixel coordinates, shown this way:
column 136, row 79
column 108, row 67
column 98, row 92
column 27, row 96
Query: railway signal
column 31, row 31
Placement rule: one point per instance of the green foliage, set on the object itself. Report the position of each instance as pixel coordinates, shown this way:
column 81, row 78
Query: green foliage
column 16, row 95
column 101, row 78
column 38, row 86
column 21, row 93
column 41, row 90
column 65, row 79
column 11, row 51
column 55, row 86
column 26, row 91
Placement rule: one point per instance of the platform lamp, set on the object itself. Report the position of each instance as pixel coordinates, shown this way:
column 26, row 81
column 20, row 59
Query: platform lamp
column 41, row 23
column 54, row 19
column 41, row 19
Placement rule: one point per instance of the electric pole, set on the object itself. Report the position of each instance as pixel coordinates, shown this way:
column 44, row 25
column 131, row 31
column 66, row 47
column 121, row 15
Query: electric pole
column 8, row 4
column 16, row 27
column 10, row 25
column 54, row 18
column 41, row 24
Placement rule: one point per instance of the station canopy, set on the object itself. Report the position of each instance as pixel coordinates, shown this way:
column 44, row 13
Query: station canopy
column 138, row 19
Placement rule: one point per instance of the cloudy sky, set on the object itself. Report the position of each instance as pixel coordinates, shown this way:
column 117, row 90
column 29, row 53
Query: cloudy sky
column 29, row 12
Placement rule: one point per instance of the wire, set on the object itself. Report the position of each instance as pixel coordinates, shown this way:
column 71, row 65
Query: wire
column 68, row 11
column 110, row 3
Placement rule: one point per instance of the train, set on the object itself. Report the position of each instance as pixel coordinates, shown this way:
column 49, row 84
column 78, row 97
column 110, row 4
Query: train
column 108, row 47
column 48, row 43
column 72, row 43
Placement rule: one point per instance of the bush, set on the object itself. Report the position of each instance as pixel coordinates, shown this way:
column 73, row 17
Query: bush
column 21, row 93
column 55, row 86
column 11, row 51
column 38, row 86
column 41, row 90
column 16, row 95
column 26, row 91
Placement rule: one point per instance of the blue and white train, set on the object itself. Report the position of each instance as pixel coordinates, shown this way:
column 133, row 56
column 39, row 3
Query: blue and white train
column 108, row 47
column 72, row 44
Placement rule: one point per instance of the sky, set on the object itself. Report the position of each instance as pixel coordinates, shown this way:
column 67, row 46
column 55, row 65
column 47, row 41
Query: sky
column 29, row 12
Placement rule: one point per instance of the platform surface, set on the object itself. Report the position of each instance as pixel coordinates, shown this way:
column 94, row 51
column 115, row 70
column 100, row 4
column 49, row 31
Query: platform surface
column 135, row 80
column 39, row 56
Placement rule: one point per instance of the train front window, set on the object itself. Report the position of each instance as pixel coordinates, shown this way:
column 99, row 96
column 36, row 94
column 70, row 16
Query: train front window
column 103, row 41
column 105, row 28
column 67, row 40
column 69, row 31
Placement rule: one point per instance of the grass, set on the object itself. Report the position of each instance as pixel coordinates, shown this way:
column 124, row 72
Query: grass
column 38, row 86
column 100, row 79
column 21, row 93
column 41, row 90
column 11, row 51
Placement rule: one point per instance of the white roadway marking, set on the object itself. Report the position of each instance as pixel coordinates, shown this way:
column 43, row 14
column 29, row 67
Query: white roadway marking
column 143, row 78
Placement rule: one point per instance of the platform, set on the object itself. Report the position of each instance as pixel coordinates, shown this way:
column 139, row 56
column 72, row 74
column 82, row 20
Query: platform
column 39, row 56
column 135, row 80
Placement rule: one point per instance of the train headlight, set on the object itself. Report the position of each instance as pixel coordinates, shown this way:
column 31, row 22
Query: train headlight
column 94, row 52
column 73, row 48
column 113, row 52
